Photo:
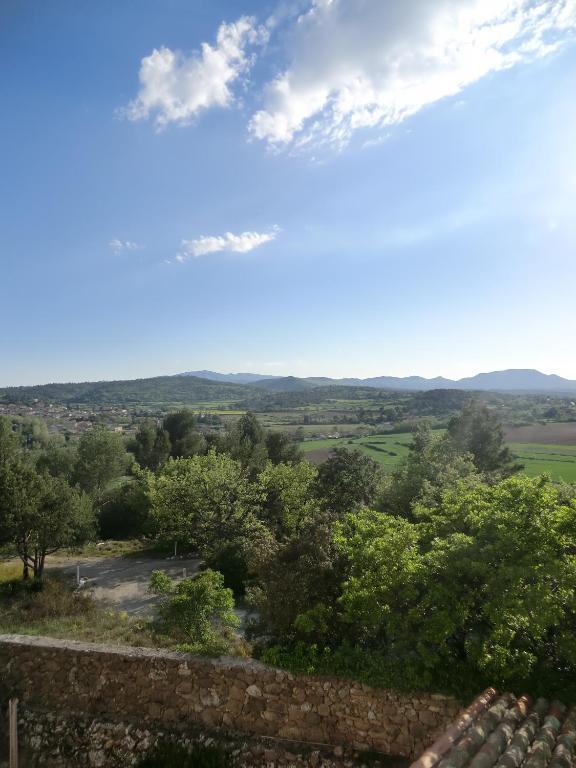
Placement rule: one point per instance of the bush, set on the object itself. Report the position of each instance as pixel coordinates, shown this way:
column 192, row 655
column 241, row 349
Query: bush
column 168, row 755
column 51, row 598
column 197, row 612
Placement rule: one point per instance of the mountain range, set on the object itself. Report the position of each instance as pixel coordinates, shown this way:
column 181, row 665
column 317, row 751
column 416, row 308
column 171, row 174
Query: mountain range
column 512, row 380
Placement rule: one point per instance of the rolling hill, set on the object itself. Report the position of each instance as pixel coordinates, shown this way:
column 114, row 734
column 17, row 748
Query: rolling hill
column 161, row 389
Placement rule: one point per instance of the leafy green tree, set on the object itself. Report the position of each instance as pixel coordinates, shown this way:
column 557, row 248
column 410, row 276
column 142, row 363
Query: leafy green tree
column 203, row 502
column 288, row 496
column 297, row 581
column 32, row 432
column 432, row 465
column 101, row 458
column 348, row 480
column 151, row 445
column 481, row 589
column 185, row 440
column 9, row 443
column 198, row 612
column 58, row 459
column 477, row 431
column 40, row 514
column 124, row 511
column 246, row 442
column 281, row 449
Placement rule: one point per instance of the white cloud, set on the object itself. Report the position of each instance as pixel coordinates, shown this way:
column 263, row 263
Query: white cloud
column 373, row 63
column 242, row 243
column 119, row 246
column 176, row 87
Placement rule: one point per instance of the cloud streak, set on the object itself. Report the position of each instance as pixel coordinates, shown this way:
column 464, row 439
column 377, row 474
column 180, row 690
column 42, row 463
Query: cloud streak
column 209, row 244
column 120, row 246
column 174, row 88
column 357, row 64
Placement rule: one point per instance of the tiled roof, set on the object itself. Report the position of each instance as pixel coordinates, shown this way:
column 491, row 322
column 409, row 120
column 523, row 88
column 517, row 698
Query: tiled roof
column 501, row 731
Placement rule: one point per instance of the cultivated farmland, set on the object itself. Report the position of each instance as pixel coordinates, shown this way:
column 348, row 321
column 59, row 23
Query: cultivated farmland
column 557, row 460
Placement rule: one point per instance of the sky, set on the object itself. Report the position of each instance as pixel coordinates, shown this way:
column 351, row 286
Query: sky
column 306, row 187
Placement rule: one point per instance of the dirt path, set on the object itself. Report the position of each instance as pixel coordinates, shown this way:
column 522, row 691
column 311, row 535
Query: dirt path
column 122, row 583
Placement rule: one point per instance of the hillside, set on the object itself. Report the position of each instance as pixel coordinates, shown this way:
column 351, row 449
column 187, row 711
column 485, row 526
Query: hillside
column 161, row 389
column 512, row 380
column 286, row 384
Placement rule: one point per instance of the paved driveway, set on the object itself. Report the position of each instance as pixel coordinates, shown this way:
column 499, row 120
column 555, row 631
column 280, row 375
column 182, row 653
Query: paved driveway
column 122, row 583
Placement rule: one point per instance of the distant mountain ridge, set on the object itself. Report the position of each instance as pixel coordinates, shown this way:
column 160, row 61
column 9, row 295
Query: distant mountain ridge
column 511, row 380
column 231, row 378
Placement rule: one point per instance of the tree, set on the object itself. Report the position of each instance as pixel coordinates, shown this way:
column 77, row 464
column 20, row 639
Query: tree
column 348, row 480
column 124, row 511
column 297, row 581
column 476, row 430
column 482, row 588
column 40, row 514
column 9, row 443
column 246, row 443
column 432, row 465
column 288, row 496
column 151, row 445
column 57, row 459
column 199, row 610
column 101, row 458
column 185, row 440
column 203, row 502
column 282, row 450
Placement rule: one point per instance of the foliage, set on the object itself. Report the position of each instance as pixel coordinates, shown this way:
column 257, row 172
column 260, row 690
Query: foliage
column 477, row 431
column 124, row 511
column 9, row 443
column 102, row 457
column 151, row 445
column 184, row 439
column 301, row 575
column 432, row 465
column 57, row 459
column 288, row 496
column 198, row 612
column 203, row 502
column 168, row 755
column 483, row 585
column 40, row 514
column 348, row 480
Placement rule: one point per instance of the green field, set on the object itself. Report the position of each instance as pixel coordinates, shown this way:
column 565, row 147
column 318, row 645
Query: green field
column 559, row 461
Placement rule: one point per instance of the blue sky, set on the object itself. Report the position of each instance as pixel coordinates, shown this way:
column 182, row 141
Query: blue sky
column 325, row 190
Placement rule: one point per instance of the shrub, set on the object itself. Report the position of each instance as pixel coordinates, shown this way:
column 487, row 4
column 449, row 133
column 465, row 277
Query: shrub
column 199, row 612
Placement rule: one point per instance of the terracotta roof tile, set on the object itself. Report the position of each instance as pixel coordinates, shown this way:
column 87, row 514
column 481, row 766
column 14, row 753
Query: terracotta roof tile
column 500, row 731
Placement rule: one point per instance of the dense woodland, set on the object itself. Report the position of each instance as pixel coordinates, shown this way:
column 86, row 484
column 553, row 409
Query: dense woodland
column 450, row 573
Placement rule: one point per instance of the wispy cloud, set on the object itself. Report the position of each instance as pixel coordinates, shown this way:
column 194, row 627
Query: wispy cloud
column 175, row 87
column 242, row 243
column 120, row 246
column 373, row 63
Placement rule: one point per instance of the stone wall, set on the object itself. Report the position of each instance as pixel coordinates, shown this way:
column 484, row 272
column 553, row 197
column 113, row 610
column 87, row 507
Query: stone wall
column 75, row 741
column 159, row 688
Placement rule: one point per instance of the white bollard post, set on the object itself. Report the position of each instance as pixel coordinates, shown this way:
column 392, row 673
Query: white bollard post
column 78, row 574
column 183, row 573
column 13, row 731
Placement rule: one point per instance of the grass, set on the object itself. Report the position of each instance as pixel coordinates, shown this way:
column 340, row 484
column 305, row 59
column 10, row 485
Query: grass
column 387, row 450
column 558, row 461
column 9, row 572
column 56, row 610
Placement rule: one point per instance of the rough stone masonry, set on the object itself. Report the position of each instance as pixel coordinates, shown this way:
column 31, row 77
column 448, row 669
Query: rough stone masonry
column 155, row 688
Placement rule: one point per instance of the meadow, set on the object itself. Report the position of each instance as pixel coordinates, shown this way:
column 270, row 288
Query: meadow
column 559, row 461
